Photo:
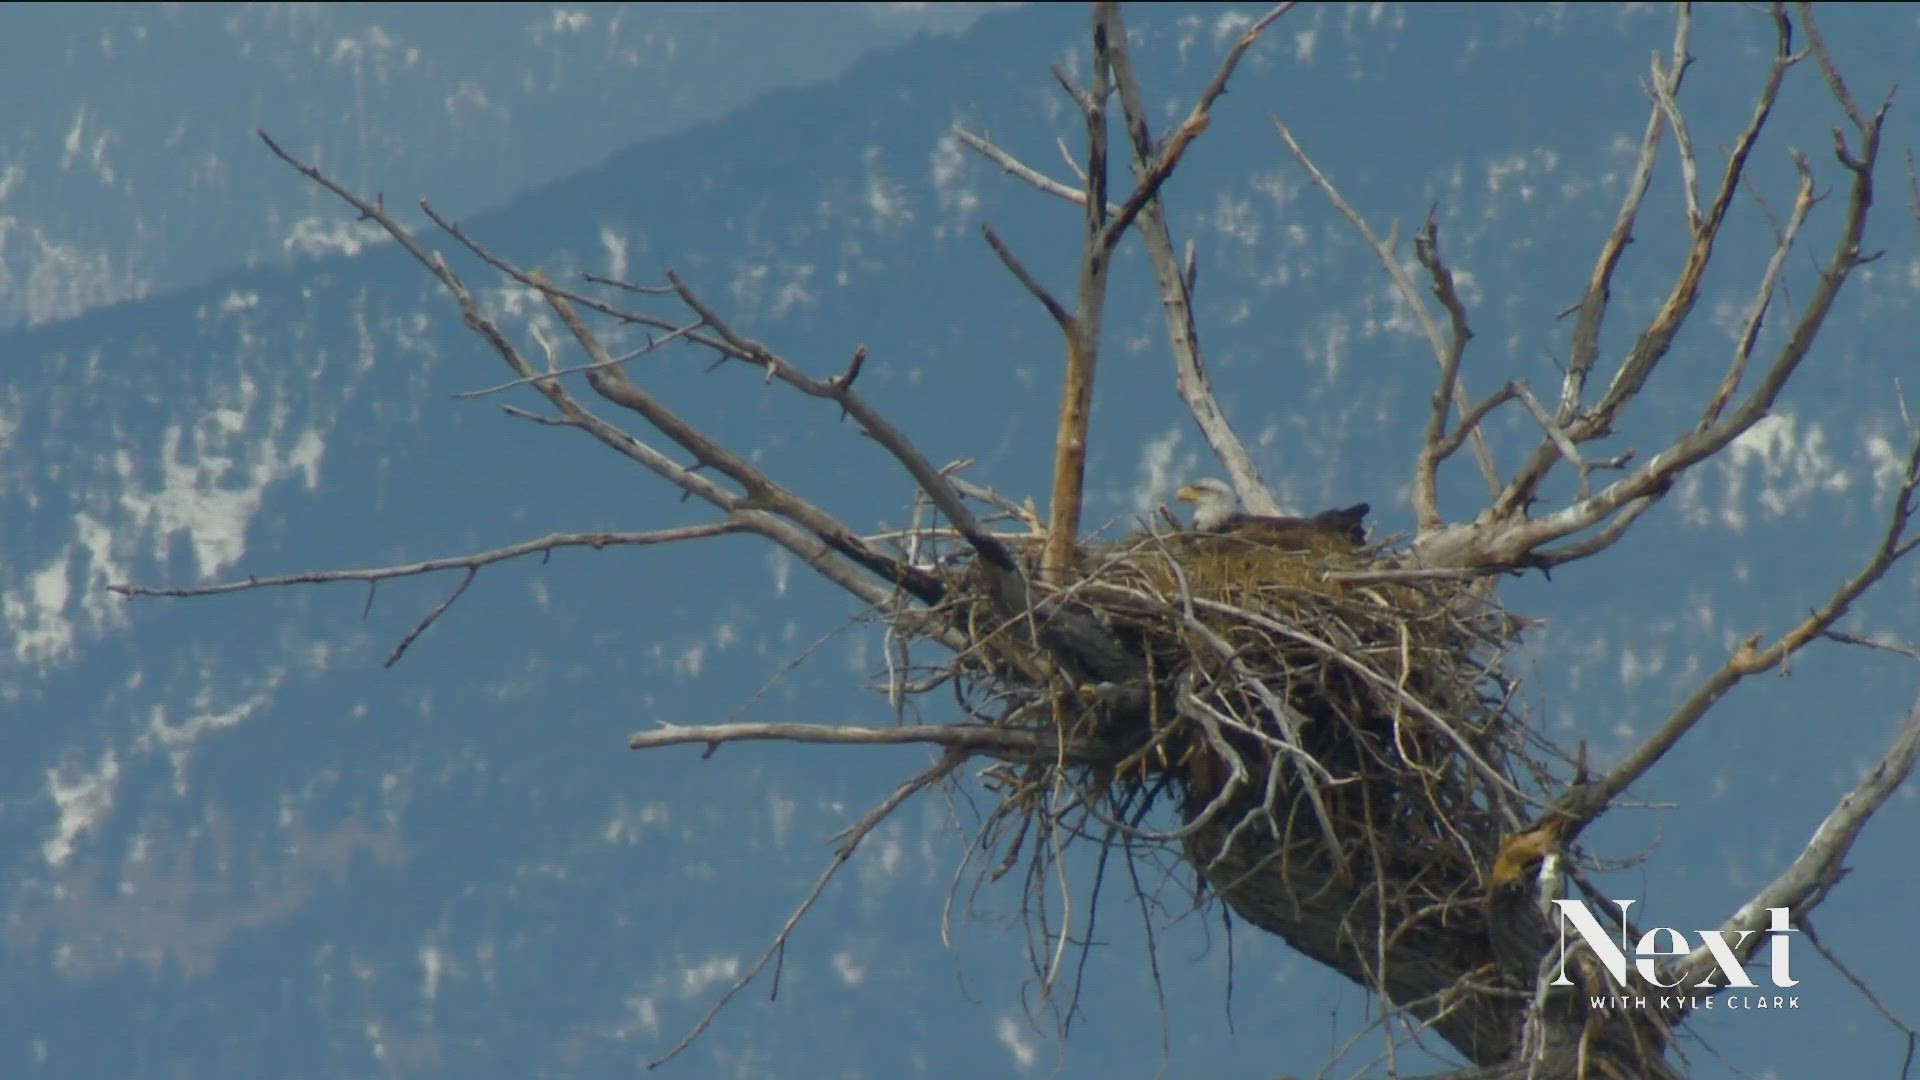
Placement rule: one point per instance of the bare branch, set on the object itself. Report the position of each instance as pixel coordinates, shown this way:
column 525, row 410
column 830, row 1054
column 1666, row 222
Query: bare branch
column 407, row 640
column 979, row 493
column 763, row 493
column 1154, row 165
column 854, row 835
column 1175, row 281
column 473, row 561
column 1507, row 538
column 1666, row 79
column 1602, row 539
column 1879, row 1006
column 811, row 548
column 1470, row 421
column 627, row 286
column 1019, row 169
column 1218, row 84
column 1383, row 249
column 1831, row 71
column 1105, row 224
column 1593, row 303
column 652, row 345
column 1061, row 317
column 1656, row 339
column 1894, row 647
column 1426, row 502
column 887, row 600
column 1005, row 743
column 1556, row 436
column 1803, row 202
column 1583, row 802
column 1083, row 333
column 546, row 287
column 1803, row 885
column 616, row 387
column 877, row 427
column 1073, row 166
column 519, row 413
column 572, row 413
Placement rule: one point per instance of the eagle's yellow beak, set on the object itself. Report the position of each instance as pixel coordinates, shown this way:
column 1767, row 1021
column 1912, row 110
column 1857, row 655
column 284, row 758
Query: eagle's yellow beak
column 1187, row 494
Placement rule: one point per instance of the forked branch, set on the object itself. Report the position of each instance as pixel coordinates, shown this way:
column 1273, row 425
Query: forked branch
column 1385, row 250
column 373, row 575
column 1584, row 802
column 1505, row 536
column 766, row 508
column 1802, row 886
column 1106, row 223
column 1656, row 339
column 777, row 950
column 1437, row 446
column 1176, row 281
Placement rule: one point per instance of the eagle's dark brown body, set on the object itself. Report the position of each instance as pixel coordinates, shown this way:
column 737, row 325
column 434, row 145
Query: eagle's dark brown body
column 1347, row 521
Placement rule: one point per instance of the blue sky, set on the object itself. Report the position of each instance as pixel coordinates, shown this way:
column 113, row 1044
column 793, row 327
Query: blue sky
column 261, row 853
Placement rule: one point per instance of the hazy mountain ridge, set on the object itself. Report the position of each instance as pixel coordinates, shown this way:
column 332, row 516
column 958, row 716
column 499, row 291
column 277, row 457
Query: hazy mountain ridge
column 129, row 166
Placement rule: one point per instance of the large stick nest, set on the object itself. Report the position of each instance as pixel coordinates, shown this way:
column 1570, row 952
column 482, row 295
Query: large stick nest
column 1342, row 749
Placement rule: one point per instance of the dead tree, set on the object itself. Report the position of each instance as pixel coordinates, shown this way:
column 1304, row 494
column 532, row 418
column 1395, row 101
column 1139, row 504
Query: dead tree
column 1329, row 726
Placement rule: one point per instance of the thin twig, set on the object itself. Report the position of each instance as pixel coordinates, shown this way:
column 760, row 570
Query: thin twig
column 1803, row 203
column 472, row 561
column 1557, row 436
column 653, row 345
column 432, row 617
column 1860, row 984
column 1014, row 167
column 1061, row 316
column 1383, row 250
column 1803, row 885
column 628, row 286
column 1426, row 503
column 854, row 835
column 1582, row 803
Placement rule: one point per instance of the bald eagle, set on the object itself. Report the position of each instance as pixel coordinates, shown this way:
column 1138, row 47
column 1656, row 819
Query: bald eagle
column 1216, row 509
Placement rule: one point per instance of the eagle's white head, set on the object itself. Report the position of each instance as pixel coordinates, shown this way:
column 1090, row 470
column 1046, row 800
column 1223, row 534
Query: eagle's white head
column 1214, row 503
